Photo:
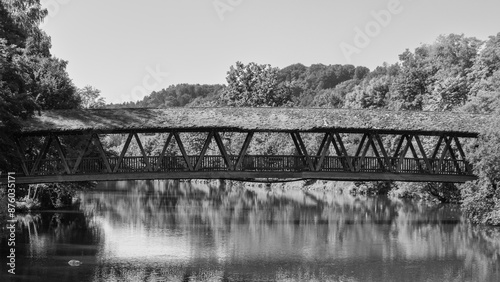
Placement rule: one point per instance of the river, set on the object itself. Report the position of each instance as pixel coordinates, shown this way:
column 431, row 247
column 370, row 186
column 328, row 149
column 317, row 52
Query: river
column 181, row 231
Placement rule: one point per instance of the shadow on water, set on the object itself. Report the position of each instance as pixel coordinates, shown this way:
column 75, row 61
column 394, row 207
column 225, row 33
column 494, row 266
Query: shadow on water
column 178, row 231
column 46, row 241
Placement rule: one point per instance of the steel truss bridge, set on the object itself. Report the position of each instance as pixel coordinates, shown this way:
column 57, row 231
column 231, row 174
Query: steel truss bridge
column 424, row 147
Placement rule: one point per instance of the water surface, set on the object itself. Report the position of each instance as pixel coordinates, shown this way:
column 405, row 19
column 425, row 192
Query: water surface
column 177, row 231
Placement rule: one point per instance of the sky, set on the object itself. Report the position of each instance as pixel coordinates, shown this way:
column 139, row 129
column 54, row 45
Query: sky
column 127, row 49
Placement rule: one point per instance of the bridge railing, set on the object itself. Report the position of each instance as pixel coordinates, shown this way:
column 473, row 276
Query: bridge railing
column 256, row 163
column 273, row 163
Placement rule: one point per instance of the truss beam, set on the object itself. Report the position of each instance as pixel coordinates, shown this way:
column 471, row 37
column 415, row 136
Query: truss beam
column 371, row 155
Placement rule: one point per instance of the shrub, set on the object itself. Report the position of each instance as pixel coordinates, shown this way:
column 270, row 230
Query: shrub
column 481, row 198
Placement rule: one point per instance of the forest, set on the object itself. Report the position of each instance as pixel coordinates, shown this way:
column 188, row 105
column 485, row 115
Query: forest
column 454, row 73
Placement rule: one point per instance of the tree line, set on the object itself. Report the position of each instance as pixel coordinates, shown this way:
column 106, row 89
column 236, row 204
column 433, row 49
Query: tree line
column 453, row 73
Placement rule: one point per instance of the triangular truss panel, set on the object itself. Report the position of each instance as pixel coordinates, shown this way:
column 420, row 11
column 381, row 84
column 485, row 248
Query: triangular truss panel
column 173, row 155
column 51, row 157
column 139, row 161
column 86, row 164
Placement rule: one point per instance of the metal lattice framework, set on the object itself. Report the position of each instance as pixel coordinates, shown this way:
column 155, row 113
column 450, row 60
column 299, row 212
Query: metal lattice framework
column 411, row 159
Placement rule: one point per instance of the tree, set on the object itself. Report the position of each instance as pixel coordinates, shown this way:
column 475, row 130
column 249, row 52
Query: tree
column 360, row 72
column 31, row 78
column 90, row 98
column 15, row 101
column 49, row 84
column 10, row 32
column 489, row 59
column 451, row 60
column 370, row 94
column 22, row 20
column 254, row 85
column 292, row 73
column 410, row 85
column 436, row 76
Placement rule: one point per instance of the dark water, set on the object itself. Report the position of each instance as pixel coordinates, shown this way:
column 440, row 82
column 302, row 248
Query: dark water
column 171, row 231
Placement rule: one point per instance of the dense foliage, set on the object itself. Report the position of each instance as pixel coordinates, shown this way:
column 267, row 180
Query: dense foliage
column 254, row 85
column 481, row 198
column 31, row 79
column 180, row 95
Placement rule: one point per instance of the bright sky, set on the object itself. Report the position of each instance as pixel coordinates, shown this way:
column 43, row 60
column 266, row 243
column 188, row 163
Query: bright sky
column 129, row 48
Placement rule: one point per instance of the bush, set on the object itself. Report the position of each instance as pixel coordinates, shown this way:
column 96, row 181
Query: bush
column 430, row 191
column 372, row 188
column 481, row 202
column 50, row 196
column 481, row 198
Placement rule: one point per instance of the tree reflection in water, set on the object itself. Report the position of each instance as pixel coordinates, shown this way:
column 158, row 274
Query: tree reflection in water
column 46, row 241
column 178, row 231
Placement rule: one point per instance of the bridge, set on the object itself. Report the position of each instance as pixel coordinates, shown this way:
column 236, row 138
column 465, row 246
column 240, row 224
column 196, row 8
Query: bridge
column 329, row 144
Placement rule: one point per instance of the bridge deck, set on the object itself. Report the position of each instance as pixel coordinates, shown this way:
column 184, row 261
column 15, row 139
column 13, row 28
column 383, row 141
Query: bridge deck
column 254, row 119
